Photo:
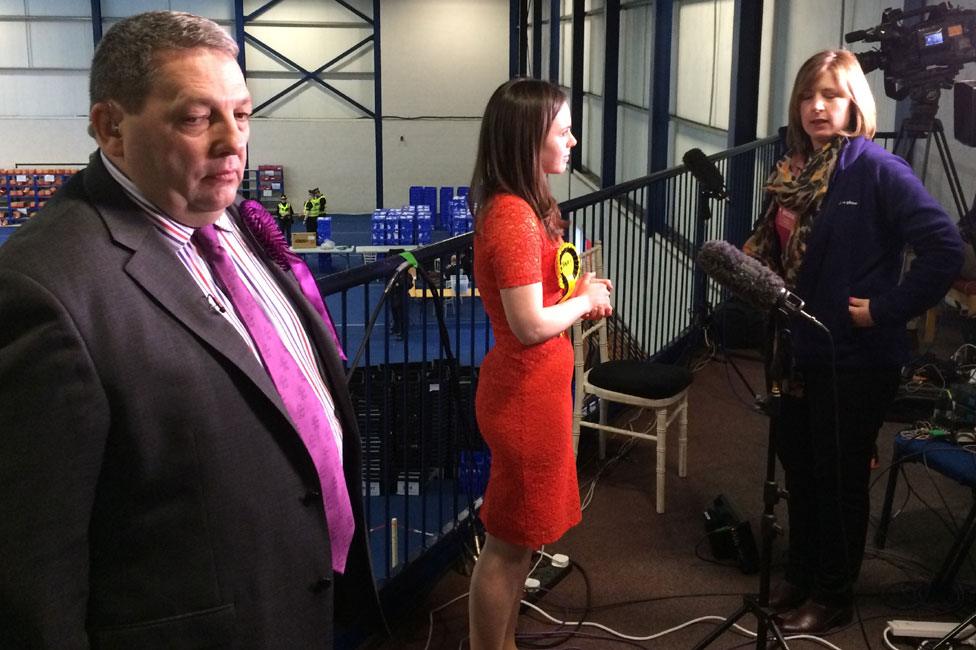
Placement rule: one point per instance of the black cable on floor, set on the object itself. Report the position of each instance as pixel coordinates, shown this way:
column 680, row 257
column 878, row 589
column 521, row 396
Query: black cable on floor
column 563, row 637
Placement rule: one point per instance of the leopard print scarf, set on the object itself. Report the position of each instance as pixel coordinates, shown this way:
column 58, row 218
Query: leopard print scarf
column 802, row 194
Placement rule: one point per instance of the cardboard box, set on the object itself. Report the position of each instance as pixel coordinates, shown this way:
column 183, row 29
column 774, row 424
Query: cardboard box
column 303, row 240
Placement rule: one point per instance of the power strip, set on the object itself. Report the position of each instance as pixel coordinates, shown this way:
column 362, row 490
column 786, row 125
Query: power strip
column 927, row 629
column 548, row 576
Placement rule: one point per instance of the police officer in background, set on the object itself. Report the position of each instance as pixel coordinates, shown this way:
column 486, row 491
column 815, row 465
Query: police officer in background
column 286, row 217
column 314, row 208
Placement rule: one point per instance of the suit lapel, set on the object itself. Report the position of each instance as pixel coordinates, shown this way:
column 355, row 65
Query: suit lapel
column 155, row 268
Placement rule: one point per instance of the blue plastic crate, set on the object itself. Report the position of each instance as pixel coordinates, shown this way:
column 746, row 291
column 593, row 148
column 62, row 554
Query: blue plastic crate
column 323, row 229
column 474, row 467
column 417, row 195
column 430, row 198
column 444, row 214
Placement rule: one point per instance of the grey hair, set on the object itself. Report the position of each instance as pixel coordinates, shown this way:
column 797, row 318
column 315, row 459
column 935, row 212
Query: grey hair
column 125, row 61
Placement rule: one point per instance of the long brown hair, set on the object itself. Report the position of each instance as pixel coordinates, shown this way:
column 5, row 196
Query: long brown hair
column 513, row 131
column 847, row 71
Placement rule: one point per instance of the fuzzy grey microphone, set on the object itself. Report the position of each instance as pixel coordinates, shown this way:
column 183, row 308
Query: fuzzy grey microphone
column 749, row 279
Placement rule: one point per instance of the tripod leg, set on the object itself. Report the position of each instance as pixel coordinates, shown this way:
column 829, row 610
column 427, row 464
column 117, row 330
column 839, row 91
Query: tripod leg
column 727, row 624
column 778, row 634
column 954, row 559
column 946, row 641
column 759, row 605
column 952, row 175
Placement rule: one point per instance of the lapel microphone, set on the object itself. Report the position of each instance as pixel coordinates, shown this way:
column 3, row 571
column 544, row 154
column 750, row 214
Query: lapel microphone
column 214, row 304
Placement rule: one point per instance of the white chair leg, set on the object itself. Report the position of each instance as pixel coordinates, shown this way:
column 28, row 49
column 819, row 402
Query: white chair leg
column 603, row 434
column 683, row 439
column 662, row 429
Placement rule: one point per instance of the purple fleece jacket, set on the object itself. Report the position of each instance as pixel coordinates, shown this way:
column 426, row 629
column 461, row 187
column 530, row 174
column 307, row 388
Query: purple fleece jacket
column 874, row 206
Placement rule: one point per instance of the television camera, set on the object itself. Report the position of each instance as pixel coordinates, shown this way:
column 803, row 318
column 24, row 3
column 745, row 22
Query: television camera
column 921, row 51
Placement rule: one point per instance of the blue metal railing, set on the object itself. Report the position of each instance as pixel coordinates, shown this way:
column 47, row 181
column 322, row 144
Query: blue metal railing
column 653, row 227
column 424, row 461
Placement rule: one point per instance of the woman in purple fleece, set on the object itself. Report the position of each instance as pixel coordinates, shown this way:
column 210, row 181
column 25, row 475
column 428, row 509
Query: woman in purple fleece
column 842, row 211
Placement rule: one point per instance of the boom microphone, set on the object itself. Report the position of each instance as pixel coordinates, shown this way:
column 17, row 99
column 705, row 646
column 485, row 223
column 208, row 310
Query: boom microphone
column 706, row 173
column 749, row 279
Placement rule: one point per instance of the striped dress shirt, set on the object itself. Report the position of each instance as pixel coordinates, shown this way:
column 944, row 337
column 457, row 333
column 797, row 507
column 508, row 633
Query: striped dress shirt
column 255, row 276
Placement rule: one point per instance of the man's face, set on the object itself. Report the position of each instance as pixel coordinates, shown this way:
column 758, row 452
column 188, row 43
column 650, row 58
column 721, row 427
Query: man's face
column 186, row 149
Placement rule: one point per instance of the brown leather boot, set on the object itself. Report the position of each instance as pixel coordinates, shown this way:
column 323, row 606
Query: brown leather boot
column 813, row 618
column 785, row 596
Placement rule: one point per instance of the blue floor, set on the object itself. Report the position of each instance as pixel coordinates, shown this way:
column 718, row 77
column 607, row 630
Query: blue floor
column 421, row 520
column 466, row 329
column 6, row 231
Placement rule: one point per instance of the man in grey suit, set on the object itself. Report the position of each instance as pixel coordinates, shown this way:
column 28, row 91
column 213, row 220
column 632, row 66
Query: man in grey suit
column 154, row 489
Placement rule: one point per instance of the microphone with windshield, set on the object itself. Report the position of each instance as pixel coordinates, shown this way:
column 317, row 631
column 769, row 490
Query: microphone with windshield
column 706, row 173
column 750, row 280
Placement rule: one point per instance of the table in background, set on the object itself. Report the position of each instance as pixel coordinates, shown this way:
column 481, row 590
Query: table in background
column 325, row 263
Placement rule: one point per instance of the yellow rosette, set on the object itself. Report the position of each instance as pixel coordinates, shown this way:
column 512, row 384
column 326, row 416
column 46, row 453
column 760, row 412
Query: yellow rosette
column 567, row 269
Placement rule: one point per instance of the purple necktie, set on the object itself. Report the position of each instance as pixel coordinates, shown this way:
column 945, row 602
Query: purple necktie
column 305, row 410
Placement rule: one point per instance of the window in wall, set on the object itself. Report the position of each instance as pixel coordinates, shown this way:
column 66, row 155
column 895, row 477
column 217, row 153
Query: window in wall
column 48, row 46
column 634, row 77
column 594, row 35
column 44, row 58
column 701, row 75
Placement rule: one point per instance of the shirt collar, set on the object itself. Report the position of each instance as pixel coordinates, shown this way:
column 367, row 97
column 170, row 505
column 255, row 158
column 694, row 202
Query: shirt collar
column 174, row 231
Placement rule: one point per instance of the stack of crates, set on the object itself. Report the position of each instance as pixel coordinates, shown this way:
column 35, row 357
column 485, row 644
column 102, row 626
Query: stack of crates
column 461, row 219
column 271, row 184
column 424, row 225
column 378, row 227
column 411, row 224
column 392, row 236
column 444, row 216
column 424, row 195
column 24, row 191
column 375, row 428
column 407, row 220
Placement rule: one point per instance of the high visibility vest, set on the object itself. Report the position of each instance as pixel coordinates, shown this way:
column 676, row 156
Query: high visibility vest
column 284, row 210
column 315, row 206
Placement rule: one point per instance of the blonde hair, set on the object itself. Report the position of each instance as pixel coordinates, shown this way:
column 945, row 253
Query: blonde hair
column 845, row 69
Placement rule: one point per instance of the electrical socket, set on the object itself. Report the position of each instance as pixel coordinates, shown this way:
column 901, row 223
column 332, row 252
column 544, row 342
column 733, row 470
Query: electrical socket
column 927, row 629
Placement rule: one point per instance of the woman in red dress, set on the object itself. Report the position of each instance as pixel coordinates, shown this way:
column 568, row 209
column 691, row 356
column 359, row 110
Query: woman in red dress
column 523, row 403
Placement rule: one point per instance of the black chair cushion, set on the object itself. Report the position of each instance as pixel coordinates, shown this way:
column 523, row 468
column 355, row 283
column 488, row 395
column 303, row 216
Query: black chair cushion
column 641, row 378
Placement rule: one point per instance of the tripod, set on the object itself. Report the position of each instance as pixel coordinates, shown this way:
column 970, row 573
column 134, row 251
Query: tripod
column 923, row 123
column 758, row 605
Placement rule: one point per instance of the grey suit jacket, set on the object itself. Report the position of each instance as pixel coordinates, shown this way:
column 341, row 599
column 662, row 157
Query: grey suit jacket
column 153, row 492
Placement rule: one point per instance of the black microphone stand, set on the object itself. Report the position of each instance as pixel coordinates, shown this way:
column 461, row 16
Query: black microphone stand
column 758, row 604
column 702, row 308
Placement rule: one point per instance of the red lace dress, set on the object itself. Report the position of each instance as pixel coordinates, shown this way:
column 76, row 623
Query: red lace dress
column 524, row 402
